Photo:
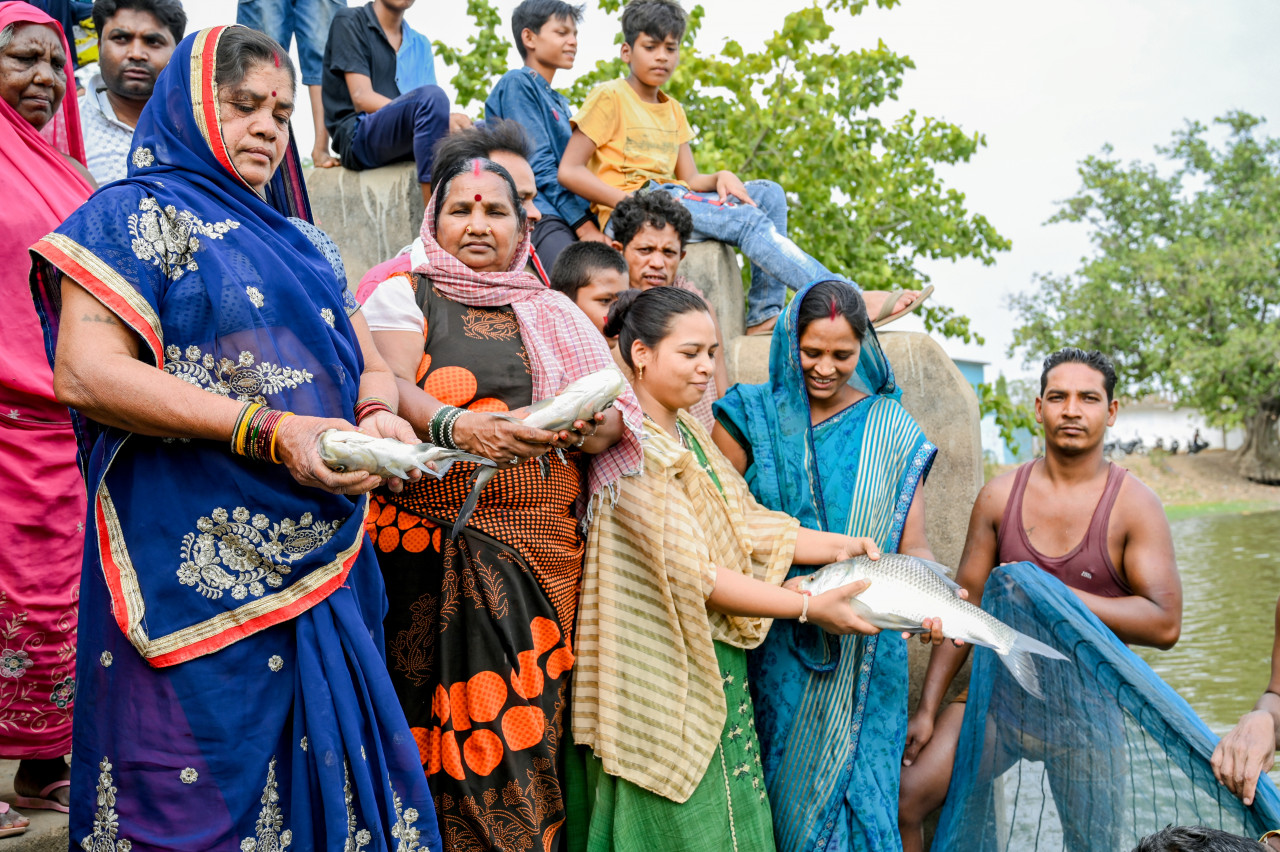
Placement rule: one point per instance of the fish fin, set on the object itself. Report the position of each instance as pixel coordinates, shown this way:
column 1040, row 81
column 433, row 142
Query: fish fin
column 396, row 471
column 1021, row 663
column 885, row 620
column 544, row 467
column 443, row 465
column 941, row 571
column 479, row 479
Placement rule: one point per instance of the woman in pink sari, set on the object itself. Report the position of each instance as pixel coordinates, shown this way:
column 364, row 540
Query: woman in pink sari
column 42, row 495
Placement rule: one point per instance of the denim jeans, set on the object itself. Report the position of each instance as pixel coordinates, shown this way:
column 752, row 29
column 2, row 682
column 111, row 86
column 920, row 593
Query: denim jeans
column 761, row 232
column 306, row 20
column 405, row 129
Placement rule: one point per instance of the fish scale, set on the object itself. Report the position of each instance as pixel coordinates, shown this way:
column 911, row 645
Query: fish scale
column 905, row 590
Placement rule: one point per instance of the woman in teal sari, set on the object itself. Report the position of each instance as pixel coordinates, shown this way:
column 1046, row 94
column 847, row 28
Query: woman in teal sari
column 826, row 441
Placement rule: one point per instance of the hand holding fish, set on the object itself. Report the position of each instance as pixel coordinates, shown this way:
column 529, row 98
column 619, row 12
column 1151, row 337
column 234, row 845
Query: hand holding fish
column 297, row 448
column 384, row 424
column 833, row 613
column 500, row 438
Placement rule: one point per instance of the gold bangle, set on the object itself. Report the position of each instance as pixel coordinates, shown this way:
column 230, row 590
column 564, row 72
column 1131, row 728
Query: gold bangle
column 276, row 431
column 1275, row 832
column 804, row 608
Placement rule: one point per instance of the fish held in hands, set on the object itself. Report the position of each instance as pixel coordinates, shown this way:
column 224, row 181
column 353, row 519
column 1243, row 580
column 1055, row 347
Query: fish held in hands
column 387, row 457
column 583, row 399
column 905, row 590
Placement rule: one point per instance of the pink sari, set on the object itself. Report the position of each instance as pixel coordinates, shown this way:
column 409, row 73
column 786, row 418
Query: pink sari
column 42, row 495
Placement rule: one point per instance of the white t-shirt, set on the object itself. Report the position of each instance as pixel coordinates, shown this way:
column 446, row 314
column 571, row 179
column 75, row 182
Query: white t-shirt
column 392, row 306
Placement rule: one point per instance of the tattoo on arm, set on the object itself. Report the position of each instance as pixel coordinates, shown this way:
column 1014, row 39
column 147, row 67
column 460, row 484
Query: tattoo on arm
column 102, row 318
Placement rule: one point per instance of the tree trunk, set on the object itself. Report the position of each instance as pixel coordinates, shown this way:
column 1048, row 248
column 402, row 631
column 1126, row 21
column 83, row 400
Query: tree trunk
column 1259, row 458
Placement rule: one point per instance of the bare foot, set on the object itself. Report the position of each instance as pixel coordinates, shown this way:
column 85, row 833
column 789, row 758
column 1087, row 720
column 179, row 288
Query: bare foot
column 322, row 159
column 875, row 301
column 764, row 327
column 35, row 775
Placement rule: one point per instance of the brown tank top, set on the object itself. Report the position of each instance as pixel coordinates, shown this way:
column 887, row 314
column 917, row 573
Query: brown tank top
column 1088, row 565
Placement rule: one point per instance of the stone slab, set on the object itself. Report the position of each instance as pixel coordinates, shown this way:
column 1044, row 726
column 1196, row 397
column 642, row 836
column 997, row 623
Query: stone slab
column 713, row 268
column 370, row 215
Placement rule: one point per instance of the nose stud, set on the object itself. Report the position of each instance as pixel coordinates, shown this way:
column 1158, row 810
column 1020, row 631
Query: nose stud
column 487, row 231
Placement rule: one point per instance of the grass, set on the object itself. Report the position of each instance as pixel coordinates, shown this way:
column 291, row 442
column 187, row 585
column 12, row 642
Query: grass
column 1230, row 507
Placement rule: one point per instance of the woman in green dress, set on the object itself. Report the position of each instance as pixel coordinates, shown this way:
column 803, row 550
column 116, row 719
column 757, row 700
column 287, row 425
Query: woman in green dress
column 682, row 575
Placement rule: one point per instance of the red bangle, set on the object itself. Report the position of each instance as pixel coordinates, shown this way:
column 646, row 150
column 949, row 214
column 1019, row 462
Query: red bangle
column 371, row 405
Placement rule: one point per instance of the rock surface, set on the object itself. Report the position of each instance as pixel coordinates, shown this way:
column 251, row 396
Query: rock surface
column 370, row 215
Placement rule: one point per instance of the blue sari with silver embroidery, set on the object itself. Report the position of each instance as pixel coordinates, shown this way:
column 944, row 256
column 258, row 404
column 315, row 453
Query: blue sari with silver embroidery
column 233, row 693
column 831, row 712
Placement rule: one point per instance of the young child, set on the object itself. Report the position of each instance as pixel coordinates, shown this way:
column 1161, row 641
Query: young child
column 546, row 34
column 629, row 134
column 593, row 275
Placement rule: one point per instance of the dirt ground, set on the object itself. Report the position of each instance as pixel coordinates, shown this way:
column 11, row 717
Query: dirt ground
column 1206, row 478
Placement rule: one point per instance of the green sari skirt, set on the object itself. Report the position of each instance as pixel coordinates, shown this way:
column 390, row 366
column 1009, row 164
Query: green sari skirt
column 729, row 810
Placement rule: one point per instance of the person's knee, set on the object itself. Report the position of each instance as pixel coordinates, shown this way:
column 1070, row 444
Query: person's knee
column 431, row 100
column 766, row 193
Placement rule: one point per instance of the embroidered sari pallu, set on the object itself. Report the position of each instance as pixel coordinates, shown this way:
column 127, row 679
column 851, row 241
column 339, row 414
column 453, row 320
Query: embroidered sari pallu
column 831, row 711
column 233, row 693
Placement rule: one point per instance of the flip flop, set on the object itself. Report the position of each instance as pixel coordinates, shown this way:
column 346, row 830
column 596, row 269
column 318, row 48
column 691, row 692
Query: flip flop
column 43, row 802
column 886, row 316
column 12, row 830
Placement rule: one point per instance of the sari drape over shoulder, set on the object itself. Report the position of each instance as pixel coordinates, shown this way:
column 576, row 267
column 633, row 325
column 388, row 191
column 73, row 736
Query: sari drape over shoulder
column 831, row 711
column 235, row 693
column 648, row 697
column 41, row 492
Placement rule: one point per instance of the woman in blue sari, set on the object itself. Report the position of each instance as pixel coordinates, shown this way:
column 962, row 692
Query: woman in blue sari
column 842, row 456
column 233, row 695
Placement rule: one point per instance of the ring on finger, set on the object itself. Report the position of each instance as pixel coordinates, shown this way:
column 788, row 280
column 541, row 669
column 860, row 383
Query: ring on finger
column 515, row 460
column 580, row 441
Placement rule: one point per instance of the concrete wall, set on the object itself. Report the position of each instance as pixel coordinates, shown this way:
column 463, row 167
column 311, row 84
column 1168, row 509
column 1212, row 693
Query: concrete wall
column 370, row 215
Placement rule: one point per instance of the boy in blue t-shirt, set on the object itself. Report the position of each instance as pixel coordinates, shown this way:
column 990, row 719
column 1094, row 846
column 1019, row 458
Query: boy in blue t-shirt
column 629, row 136
column 546, row 34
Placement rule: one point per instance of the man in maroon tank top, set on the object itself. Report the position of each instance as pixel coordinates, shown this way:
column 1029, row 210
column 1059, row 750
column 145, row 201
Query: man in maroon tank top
column 1091, row 524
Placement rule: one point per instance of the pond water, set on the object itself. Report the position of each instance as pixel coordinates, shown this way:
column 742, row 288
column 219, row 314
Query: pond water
column 1230, row 568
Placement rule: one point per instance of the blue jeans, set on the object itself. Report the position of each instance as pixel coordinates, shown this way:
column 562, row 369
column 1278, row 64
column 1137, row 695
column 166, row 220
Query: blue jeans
column 761, row 232
column 284, row 20
column 405, row 129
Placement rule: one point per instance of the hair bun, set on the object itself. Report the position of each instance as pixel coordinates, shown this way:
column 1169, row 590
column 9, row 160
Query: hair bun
column 618, row 312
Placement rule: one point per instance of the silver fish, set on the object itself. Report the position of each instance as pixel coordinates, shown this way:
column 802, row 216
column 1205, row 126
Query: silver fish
column 904, row 591
column 343, row 451
column 583, row 399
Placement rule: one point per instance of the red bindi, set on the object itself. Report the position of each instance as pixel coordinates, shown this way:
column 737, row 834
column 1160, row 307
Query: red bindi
column 835, row 311
column 478, row 197
column 276, row 58
column 273, row 94
column 475, row 168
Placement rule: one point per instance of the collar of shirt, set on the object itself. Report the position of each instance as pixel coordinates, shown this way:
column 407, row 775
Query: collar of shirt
column 96, row 94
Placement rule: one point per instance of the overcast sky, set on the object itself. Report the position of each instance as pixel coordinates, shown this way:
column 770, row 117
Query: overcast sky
column 1047, row 83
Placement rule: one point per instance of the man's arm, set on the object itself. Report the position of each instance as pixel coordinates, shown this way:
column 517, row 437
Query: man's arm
column 1249, row 749
column 576, row 177
column 363, row 96
column 1152, row 615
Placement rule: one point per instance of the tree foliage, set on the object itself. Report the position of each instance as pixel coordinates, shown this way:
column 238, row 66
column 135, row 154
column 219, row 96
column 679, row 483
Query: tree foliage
column 1182, row 287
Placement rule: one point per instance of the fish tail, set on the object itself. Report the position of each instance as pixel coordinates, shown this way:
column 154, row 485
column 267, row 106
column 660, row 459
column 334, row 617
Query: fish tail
column 1020, row 662
column 481, row 476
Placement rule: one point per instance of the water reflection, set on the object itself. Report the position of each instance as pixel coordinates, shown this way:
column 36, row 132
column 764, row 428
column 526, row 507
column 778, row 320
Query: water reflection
column 1230, row 581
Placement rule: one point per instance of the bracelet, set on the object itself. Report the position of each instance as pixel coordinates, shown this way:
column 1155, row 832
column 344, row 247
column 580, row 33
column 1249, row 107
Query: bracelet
column 242, row 422
column 254, row 435
column 804, row 608
column 371, row 405
column 440, row 429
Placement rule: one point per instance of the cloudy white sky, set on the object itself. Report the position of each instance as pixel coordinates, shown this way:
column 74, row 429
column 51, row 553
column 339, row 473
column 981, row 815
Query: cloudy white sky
column 1047, row 83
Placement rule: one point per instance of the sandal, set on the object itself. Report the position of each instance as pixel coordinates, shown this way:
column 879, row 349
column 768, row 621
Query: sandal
column 886, row 312
column 43, row 802
column 8, row 819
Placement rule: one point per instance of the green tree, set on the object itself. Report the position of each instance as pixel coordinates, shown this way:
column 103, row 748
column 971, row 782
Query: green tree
column 1182, row 286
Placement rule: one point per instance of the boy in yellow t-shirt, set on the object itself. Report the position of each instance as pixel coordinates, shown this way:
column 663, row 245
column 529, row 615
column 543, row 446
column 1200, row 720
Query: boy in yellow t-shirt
column 630, row 135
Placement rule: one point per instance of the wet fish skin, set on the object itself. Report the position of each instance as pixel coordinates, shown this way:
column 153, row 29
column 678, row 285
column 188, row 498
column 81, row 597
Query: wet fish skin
column 582, row 399
column 905, row 590
column 387, row 457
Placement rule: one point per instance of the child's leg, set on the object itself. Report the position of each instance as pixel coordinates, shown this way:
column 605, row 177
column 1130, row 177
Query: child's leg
column 407, row 127
column 751, row 229
column 767, row 293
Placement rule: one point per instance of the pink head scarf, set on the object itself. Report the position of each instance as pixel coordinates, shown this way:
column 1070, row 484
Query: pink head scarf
column 562, row 343
column 42, row 188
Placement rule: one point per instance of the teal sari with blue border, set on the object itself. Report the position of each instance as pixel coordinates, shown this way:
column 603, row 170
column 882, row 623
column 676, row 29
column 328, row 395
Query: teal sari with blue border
column 831, row 711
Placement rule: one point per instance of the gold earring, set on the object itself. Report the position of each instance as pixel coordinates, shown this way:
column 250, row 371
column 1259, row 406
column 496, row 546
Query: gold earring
column 640, row 373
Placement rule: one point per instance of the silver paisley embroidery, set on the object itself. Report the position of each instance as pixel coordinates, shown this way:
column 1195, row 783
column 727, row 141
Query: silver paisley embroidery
column 106, row 823
column 169, row 238
column 142, row 157
column 327, row 316
column 245, row 378
column 404, row 831
column 357, row 838
column 267, row 834
column 232, row 553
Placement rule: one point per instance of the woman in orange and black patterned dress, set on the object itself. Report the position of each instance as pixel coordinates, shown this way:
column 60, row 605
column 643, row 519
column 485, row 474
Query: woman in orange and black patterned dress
column 478, row 633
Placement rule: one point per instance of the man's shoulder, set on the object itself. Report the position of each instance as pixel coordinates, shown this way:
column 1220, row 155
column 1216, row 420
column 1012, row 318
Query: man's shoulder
column 349, row 12
column 1136, row 500
column 994, row 496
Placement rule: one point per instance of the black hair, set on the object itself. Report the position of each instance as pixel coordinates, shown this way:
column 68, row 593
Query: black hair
column 829, row 299
column 485, row 165
column 575, row 265
column 241, row 49
column 1093, row 358
column 659, row 19
column 169, row 13
column 533, row 14
column 654, row 208
column 647, row 315
column 1195, row 838
column 479, row 142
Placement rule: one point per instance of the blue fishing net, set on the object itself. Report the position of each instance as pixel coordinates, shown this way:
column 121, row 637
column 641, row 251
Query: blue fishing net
column 1109, row 756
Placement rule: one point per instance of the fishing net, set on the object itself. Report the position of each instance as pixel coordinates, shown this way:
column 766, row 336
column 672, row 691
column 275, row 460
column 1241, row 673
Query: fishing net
column 1109, row 756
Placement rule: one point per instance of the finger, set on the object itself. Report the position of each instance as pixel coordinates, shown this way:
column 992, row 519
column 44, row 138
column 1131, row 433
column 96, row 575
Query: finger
column 873, row 552
column 723, row 192
column 963, row 594
column 748, row 199
column 852, row 590
column 1250, row 787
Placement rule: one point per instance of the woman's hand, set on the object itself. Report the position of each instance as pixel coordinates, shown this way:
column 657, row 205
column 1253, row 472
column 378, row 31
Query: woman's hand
column 919, row 732
column 856, row 545
column 833, row 613
column 384, row 424
column 297, row 447
column 499, row 439
column 578, row 435
column 1248, row 750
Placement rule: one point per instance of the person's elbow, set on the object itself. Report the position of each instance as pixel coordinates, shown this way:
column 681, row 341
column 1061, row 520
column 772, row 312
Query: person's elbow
column 565, row 176
column 1165, row 632
column 70, row 386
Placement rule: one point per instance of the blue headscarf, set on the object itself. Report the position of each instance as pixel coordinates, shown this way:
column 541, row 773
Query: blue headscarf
column 228, row 294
